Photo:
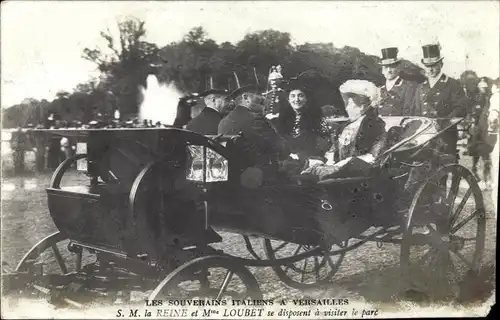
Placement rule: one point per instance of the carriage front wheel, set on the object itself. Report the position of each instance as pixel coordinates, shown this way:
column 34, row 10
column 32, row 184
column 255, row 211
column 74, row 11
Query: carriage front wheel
column 444, row 234
column 315, row 270
column 213, row 277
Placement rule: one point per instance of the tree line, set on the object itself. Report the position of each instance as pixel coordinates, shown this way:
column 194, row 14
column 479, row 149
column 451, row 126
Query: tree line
column 128, row 59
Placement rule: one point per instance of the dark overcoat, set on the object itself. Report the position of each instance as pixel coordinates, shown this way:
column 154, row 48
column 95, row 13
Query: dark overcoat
column 206, row 123
column 398, row 101
column 260, row 145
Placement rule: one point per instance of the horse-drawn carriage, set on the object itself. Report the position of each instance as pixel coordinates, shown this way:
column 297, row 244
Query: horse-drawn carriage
column 155, row 201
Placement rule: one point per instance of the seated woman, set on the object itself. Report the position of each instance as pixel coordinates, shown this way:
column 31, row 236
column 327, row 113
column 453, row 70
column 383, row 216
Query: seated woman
column 362, row 139
column 302, row 124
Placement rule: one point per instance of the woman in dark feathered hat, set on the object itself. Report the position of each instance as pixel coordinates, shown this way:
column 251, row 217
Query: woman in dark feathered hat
column 301, row 121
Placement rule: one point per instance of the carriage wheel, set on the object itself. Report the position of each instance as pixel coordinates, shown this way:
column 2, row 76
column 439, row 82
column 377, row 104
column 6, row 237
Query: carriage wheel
column 313, row 271
column 209, row 277
column 445, row 233
column 53, row 256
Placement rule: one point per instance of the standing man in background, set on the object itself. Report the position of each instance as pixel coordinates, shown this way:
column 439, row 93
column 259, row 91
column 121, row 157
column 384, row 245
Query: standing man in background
column 18, row 143
column 397, row 95
column 440, row 97
column 478, row 146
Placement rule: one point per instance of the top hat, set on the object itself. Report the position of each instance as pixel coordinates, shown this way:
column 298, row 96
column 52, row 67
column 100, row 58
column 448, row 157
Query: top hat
column 389, row 56
column 253, row 88
column 432, row 54
column 213, row 90
column 244, row 89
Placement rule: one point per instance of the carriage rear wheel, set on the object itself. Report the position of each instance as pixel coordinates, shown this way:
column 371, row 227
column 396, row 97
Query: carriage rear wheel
column 213, row 277
column 444, row 236
column 313, row 271
column 51, row 263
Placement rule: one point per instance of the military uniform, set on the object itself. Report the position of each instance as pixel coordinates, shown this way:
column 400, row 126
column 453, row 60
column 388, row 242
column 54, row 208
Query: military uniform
column 274, row 100
column 445, row 100
column 399, row 100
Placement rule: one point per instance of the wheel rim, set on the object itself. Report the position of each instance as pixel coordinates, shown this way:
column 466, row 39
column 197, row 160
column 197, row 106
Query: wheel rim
column 208, row 277
column 445, row 233
column 313, row 271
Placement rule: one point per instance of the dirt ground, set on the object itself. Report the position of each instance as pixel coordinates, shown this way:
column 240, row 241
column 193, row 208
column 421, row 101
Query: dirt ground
column 366, row 274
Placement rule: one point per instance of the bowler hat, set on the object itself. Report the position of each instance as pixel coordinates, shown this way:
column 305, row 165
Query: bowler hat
column 432, row 54
column 389, row 56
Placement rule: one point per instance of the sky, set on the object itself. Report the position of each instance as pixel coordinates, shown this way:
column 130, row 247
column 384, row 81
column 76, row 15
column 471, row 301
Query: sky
column 42, row 42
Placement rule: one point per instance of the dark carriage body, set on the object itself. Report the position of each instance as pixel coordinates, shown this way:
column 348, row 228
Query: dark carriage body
column 154, row 188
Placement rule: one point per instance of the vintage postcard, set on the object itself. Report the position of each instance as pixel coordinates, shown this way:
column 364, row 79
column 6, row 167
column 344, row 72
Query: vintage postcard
column 249, row 159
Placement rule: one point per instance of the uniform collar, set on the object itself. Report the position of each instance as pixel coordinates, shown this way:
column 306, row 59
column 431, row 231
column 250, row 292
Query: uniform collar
column 396, row 82
column 440, row 78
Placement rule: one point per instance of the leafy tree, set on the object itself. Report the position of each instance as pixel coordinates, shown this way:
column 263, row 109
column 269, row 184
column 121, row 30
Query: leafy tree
column 128, row 63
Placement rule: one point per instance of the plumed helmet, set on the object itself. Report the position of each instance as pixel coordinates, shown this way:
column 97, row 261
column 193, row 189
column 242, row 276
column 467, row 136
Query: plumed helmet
column 362, row 88
column 275, row 73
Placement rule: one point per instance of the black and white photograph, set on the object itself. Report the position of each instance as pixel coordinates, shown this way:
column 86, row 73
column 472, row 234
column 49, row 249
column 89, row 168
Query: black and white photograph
column 249, row 159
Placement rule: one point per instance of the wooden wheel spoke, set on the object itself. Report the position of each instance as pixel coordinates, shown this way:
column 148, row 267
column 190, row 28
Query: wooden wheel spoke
column 59, row 259
column 303, row 270
column 281, row 246
column 460, row 207
column 225, row 283
column 465, row 221
column 297, row 251
column 204, row 283
column 316, row 267
column 452, row 195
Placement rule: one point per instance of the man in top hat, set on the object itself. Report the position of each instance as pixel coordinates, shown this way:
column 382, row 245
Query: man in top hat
column 260, row 146
column 207, row 121
column 397, row 95
column 440, row 96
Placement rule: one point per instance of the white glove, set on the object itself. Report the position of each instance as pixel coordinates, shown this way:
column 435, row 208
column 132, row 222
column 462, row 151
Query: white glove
column 272, row 116
column 294, row 156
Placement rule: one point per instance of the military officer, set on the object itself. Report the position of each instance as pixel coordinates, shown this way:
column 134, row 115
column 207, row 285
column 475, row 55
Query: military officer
column 276, row 96
column 440, row 96
column 207, row 122
column 397, row 95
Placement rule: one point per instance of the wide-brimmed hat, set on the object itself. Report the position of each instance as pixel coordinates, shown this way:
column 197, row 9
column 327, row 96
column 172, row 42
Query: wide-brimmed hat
column 305, row 81
column 389, row 56
column 363, row 88
column 432, row 54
